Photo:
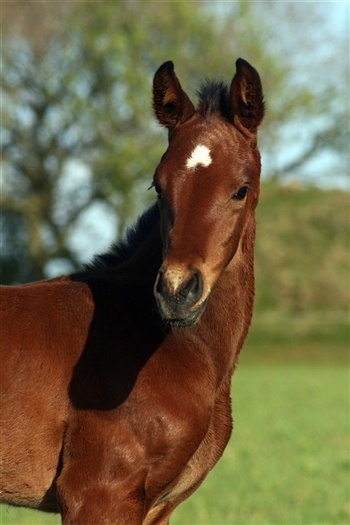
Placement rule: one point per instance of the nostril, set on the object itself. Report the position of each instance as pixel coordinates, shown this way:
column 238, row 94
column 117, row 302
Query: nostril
column 193, row 290
column 179, row 288
column 159, row 284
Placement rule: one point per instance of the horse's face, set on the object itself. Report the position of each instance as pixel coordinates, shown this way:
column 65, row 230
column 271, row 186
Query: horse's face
column 207, row 184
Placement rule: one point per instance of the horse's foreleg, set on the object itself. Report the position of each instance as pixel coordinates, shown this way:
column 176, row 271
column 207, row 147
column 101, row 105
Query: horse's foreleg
column 159, row 515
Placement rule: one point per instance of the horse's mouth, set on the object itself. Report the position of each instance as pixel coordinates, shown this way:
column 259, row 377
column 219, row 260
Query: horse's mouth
column 179, row 318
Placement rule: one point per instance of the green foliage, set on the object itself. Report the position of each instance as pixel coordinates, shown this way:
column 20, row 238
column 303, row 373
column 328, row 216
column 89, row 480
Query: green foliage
column 15, row 263
column 302, row 249
column 79, row 95
column 76, row 95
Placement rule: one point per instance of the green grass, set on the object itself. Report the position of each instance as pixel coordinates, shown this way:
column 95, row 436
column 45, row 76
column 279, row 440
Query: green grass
column 302, row 249
column 288, row 460
column 18, row 516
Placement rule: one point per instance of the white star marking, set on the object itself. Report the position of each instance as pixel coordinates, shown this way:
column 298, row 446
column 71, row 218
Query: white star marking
column 199, row 156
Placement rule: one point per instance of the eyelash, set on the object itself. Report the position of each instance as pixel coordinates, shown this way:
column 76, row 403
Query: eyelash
column 156, row 187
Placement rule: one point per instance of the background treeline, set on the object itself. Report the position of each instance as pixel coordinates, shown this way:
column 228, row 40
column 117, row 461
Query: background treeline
column 302, row 249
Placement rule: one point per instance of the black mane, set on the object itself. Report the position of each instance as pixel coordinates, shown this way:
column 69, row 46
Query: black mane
column 213, row 97
column 121, row 251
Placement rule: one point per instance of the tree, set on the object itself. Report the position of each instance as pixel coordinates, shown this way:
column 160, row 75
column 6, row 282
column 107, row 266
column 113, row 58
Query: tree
column 76, row 100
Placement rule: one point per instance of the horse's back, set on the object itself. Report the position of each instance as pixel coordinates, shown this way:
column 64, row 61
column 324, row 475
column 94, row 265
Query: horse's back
column 44, row 327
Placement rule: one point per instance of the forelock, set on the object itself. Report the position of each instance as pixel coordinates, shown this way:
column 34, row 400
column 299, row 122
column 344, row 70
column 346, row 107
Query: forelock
column 213, row 97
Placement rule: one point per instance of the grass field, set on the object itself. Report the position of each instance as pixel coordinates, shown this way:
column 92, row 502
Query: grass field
column 288, row 460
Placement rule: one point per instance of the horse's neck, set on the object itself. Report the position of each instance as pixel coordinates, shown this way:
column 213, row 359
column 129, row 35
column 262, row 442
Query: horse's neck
column 237, row 283
column 227, row 318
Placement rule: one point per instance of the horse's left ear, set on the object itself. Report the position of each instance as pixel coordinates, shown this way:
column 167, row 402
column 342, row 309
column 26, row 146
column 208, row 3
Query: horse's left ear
column 170, row 103
column 246, row 106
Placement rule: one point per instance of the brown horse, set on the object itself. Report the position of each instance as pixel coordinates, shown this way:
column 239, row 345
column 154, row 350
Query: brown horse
column 116, row 380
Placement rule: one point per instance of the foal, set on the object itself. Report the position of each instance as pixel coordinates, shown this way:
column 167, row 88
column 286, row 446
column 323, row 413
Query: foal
column 116, row 380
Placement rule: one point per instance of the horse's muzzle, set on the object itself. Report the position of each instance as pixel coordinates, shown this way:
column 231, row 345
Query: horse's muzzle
column 179, row 297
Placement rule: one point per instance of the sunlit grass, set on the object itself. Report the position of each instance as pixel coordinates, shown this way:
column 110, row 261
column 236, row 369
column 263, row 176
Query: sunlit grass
column 288, row 460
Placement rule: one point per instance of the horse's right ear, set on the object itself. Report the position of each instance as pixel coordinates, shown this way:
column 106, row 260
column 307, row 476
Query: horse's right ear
column 170, row 103
column 247, row 106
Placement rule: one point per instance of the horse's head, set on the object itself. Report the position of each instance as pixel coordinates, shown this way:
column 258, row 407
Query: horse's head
column 207, row 184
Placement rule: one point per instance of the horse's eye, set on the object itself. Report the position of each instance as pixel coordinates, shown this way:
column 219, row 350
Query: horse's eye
column 241, row 193
column 156, row 186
